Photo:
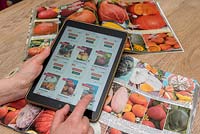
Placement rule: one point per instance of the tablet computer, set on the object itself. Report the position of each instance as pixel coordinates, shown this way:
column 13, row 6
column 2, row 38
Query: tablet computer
column 83, row 60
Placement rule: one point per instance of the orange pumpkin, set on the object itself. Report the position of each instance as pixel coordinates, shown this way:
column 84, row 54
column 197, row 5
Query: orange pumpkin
column 85, row 15
column 150, row 22
column 149, row 9
column 155, row 48
column 43, row 122
column 18, row 104
column 90, row 5
column 138, row 110
column 138, row 99
column 145, row 8
column 138, row 9
column 45, row 28
column 115, row 131
column 129, row 116
column 10, row 117
column 165, row 47
column 158, row 40
column 111, row 12
column 35, row 50
column 3, row 111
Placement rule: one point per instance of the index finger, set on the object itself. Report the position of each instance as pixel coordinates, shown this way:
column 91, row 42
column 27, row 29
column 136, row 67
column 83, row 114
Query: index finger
column 81, row 106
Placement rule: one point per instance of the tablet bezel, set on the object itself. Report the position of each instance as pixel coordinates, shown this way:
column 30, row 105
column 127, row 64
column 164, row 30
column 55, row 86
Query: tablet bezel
column 55, row 104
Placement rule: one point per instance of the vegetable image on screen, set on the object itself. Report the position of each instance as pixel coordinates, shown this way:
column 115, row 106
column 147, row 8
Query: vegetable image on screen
column 89, row 89
column 84, row 53
column 50, row 81
column 69, row 87
column 102, row 58
column 177, row 119
column 66, row 49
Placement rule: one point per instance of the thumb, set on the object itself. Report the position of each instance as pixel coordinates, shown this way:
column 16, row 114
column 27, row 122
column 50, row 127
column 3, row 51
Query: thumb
column 60, row 117
column 39, row 59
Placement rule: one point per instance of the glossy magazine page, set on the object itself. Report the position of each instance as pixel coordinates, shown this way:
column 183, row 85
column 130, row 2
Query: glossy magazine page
column 148, row 28
column 142, row 100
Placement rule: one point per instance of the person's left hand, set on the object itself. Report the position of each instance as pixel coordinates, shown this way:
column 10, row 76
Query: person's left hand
column 28, row 72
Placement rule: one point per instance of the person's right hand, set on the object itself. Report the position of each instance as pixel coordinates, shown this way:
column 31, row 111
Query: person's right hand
column 75, row 123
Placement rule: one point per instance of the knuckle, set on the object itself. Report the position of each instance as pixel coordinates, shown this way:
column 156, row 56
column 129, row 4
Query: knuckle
column 58, row 112
column 91, row 130
column 85, row 129
column 86, row 119
column 72, row 121
column 85, row 124
column 23, row 82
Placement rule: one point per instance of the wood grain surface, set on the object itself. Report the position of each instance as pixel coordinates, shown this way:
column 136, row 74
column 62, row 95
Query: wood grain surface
column 183, row 15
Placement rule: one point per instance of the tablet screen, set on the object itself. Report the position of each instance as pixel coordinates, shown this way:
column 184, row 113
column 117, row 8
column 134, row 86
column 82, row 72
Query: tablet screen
column 79, row 65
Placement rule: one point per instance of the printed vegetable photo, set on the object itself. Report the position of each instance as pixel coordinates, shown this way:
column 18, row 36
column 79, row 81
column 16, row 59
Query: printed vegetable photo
column 147, row 28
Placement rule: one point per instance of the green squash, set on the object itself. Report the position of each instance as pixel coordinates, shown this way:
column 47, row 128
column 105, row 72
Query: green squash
column 178, row 120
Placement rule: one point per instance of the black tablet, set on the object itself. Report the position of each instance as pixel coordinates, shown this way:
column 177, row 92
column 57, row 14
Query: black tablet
column 83, row 60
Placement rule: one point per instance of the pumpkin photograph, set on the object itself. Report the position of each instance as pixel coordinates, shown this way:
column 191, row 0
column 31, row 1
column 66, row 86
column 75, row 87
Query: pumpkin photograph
column 126, row 104
column 138, row 18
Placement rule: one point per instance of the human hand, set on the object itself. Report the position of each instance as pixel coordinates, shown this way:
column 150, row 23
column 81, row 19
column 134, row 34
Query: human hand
column 28, row 72
column 75, row 123
column 15, row 87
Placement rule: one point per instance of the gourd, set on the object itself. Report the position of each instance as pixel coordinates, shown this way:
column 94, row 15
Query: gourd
column 178, row 119
column 119, row 100
column 43, row 122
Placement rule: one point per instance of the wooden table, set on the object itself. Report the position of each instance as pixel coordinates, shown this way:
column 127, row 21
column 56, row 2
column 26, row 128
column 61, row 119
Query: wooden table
column 183, row 16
